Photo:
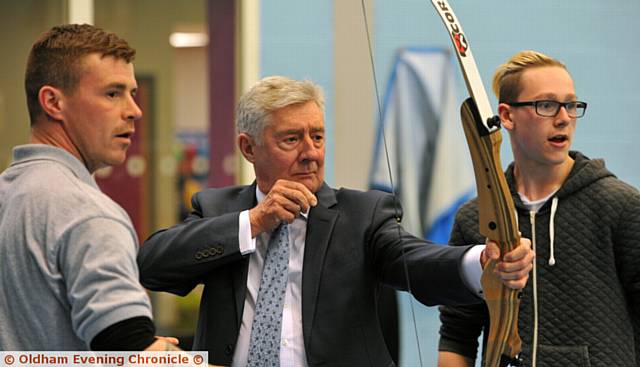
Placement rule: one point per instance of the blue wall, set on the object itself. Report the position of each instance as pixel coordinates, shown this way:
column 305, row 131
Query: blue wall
column 297, row 41
column 596, row 39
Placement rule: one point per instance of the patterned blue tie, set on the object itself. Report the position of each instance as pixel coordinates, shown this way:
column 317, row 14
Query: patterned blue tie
column 264, row 345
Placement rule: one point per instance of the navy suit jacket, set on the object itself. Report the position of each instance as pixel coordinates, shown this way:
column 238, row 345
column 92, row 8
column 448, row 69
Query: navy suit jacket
column 353, row 245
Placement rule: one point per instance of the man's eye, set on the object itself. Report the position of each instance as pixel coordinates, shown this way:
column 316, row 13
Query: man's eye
column 547, row 105
column 291, row 139
column 112, row 94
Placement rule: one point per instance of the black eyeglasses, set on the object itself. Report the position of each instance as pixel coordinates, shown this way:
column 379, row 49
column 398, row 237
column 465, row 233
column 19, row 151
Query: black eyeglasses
column 548, row 108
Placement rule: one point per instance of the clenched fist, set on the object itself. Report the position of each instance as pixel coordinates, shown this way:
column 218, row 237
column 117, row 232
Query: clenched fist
column 284, row 202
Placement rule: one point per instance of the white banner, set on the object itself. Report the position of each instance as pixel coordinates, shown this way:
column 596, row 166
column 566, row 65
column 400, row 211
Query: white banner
column 427, row 149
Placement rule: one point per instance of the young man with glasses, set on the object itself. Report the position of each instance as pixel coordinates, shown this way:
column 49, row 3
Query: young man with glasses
column 581, row 306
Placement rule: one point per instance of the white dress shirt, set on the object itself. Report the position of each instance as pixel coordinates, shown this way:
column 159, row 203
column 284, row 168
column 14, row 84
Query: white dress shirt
column 292, row 352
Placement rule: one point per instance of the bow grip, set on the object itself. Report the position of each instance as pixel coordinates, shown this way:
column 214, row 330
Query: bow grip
column 498, row 222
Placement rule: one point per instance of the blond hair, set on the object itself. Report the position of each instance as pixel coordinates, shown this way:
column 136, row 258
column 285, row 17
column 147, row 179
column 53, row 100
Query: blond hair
column 506, row 79
column 254, row 109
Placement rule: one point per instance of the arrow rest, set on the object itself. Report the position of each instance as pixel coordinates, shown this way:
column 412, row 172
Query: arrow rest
column 493, row 121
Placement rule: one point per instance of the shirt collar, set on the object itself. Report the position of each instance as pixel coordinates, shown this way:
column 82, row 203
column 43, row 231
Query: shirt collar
column 23, row 154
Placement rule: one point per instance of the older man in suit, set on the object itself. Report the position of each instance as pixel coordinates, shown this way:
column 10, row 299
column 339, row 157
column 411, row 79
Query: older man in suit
column 291, row 266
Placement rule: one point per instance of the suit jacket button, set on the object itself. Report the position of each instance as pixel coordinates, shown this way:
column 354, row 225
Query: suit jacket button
column 229, row 350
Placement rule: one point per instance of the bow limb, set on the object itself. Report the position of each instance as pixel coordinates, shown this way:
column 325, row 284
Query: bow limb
column 497, row 219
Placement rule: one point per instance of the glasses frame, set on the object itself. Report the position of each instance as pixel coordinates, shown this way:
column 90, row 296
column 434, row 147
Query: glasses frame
column 581, row 104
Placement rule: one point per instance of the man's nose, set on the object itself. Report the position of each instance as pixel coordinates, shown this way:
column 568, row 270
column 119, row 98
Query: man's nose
column 310, row 150
column 562, row 117
column 133, row 111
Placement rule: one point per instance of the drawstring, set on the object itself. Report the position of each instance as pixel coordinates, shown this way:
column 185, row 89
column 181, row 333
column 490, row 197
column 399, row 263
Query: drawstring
column 554, row 206
column 552, row 262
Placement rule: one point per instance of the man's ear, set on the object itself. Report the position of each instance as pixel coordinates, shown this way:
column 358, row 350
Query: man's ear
column 504, row 111
column 246, row 145
column 52, row 101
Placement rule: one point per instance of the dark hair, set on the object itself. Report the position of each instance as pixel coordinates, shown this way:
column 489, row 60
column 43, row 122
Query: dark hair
column 55, row 59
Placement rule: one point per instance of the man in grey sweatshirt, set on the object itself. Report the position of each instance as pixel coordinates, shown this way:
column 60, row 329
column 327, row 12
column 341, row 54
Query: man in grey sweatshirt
column 69, row 279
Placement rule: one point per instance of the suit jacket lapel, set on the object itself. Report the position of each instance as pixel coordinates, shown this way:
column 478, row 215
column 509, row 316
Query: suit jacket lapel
column 246, row 200
column 320, row 225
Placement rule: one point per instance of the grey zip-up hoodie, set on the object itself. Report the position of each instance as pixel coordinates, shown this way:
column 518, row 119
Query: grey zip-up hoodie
column 581, row 306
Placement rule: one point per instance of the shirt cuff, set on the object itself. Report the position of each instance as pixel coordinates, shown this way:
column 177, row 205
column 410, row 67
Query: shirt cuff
column 246, row 243
column 472, row 270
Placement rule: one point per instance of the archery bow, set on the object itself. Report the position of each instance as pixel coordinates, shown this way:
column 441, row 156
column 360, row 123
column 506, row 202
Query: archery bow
column 496, row 209
column 497, row 219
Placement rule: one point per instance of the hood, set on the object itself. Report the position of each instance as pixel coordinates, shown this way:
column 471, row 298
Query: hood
column 585, row 171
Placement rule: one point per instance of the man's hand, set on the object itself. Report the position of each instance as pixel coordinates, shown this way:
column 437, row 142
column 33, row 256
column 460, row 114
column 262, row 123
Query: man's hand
column 169, row 344
column 451, row 359
column 163, row 343
column 284, row 202
column 515, row 266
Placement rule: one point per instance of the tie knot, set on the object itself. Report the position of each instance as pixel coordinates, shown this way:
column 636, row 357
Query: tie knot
column 283, row 226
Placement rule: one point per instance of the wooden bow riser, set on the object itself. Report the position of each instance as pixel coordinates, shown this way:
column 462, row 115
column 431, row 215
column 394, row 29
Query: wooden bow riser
column 497, row 222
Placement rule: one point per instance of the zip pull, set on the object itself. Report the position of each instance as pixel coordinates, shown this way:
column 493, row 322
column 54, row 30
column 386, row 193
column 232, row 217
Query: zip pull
column 552, row 236
column 534, row 349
